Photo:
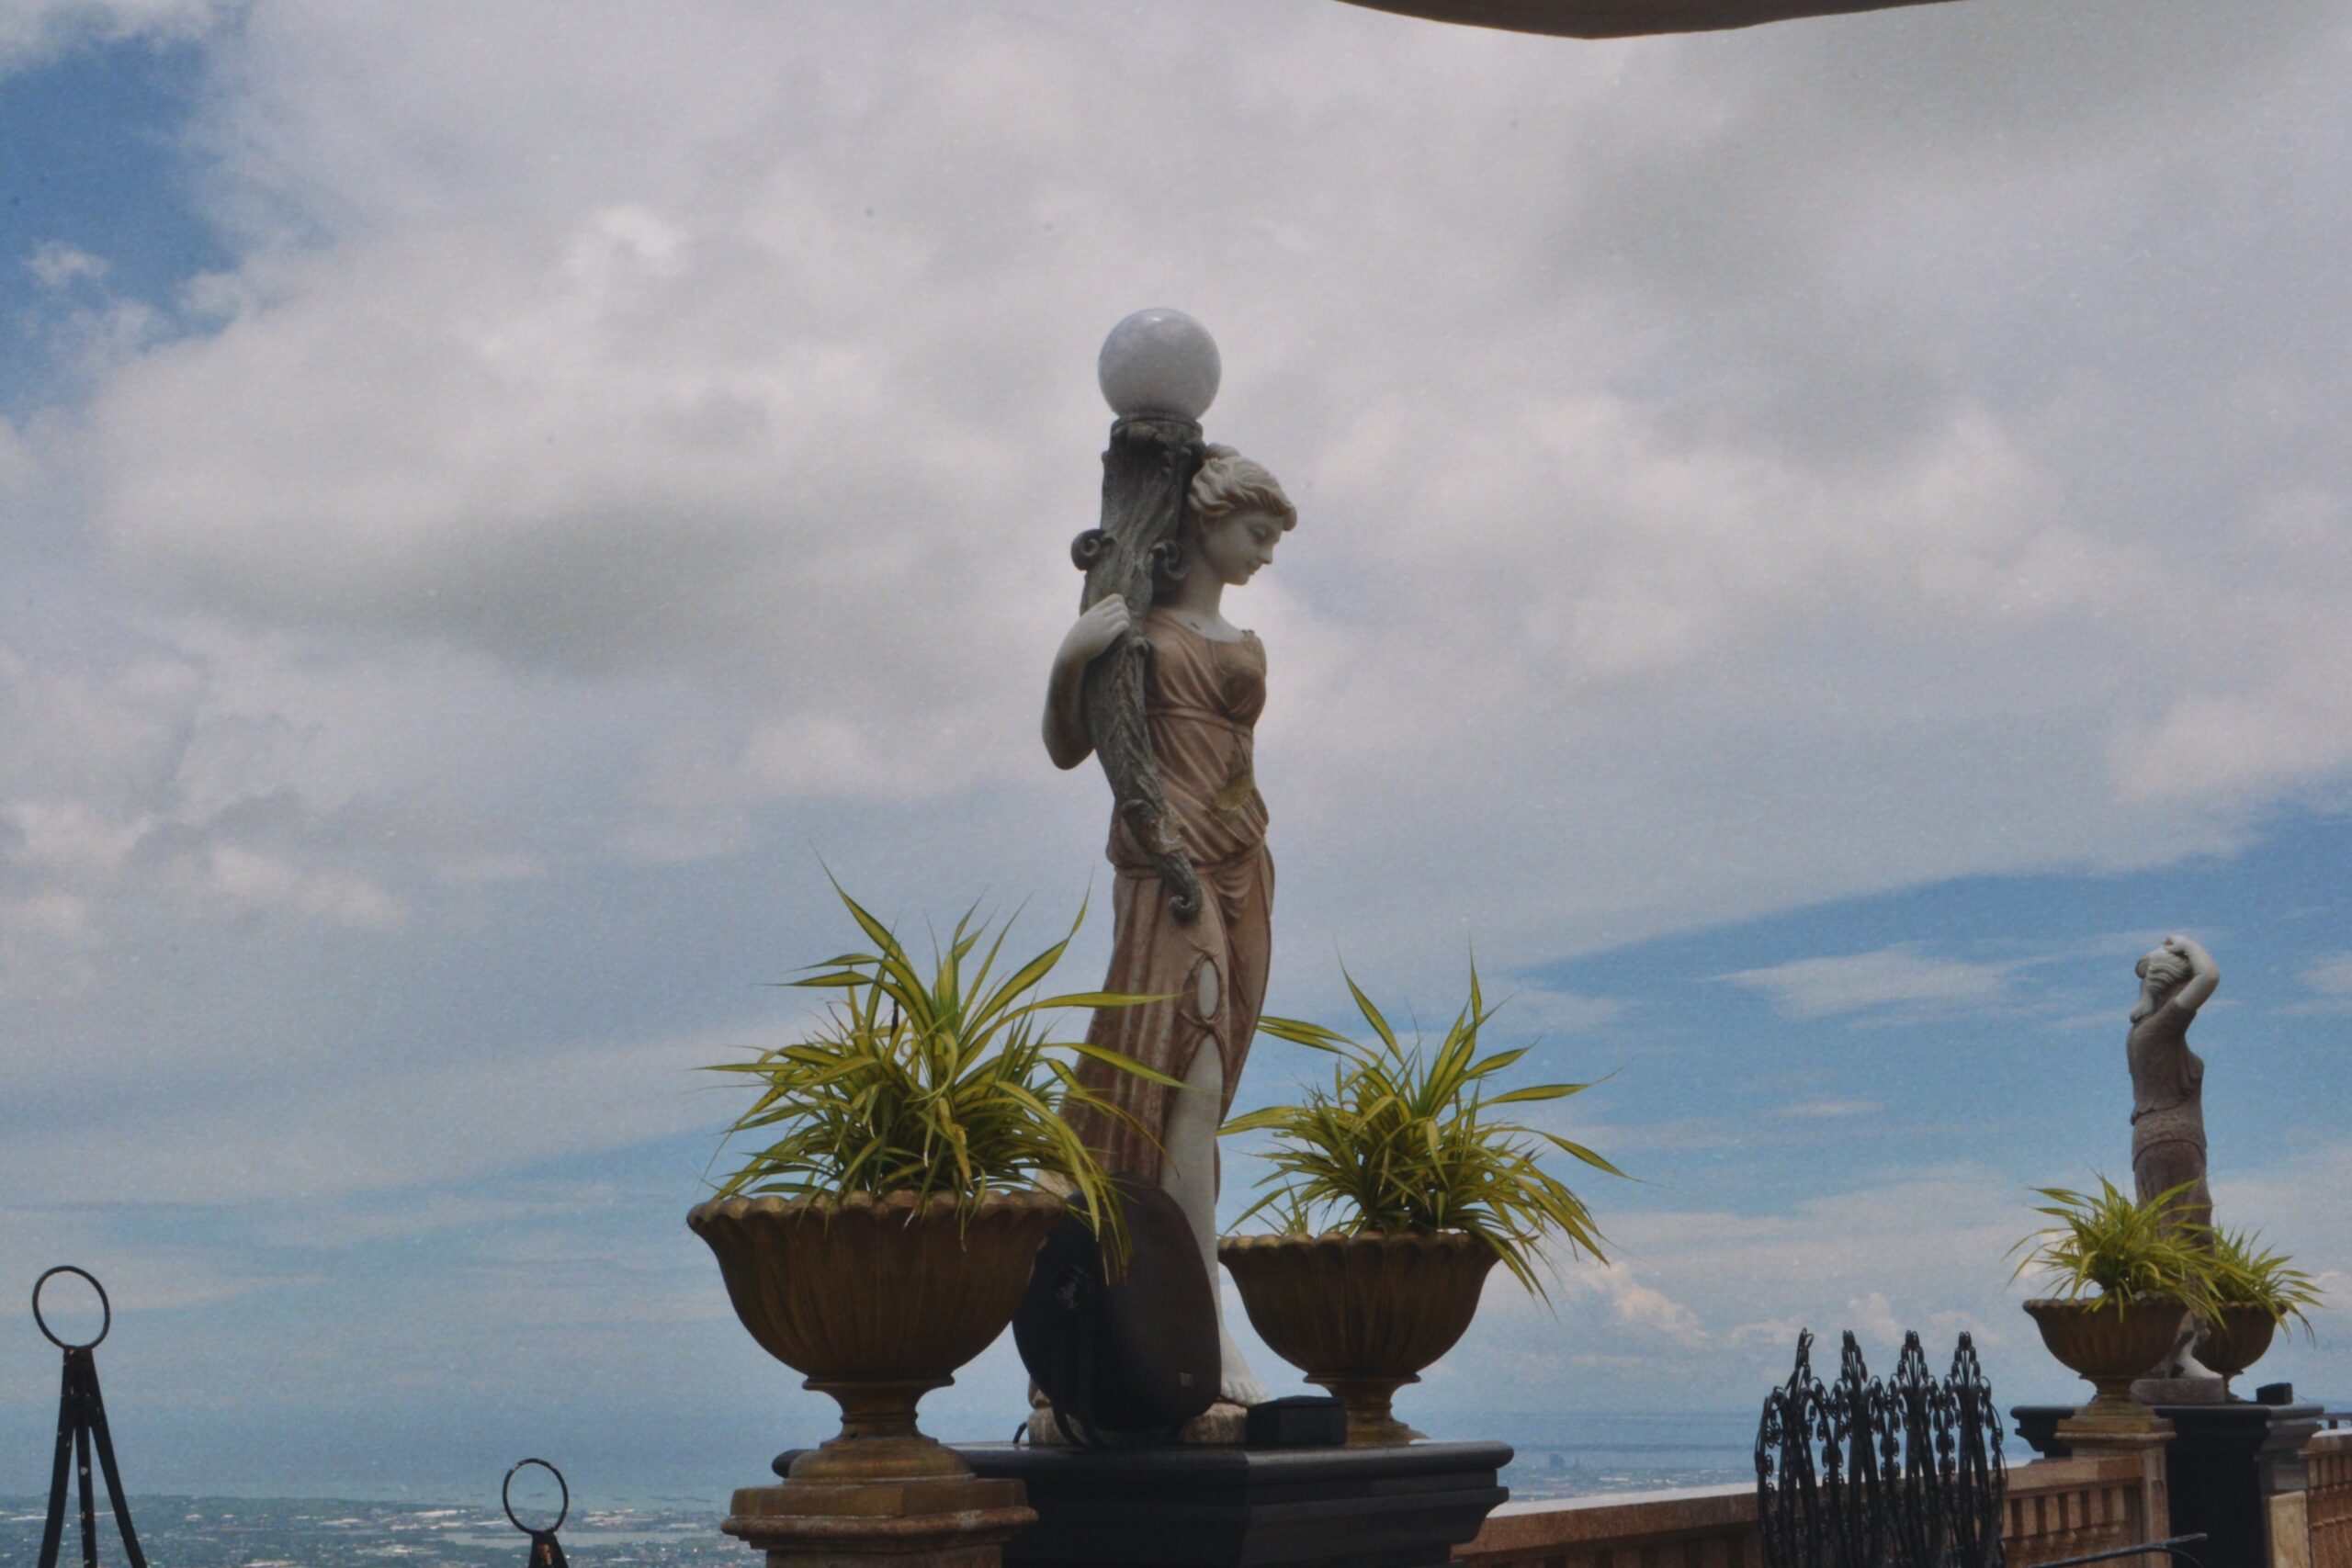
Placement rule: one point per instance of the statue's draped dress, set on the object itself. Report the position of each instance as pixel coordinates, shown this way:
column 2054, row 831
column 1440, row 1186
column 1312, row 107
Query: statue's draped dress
column 2168, row 1137
column 1202, row 699
column 2168, row 1111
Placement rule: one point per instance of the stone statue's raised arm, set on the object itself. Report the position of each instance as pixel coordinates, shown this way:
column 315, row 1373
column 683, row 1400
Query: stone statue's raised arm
column 2204, row 975
column 2174, row 979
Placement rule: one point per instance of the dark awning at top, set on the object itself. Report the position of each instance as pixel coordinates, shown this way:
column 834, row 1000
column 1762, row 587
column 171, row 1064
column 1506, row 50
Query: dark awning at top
column 1623, row 18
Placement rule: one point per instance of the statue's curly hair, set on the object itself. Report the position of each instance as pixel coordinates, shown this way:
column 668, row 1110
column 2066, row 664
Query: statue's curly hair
column 1229, row 482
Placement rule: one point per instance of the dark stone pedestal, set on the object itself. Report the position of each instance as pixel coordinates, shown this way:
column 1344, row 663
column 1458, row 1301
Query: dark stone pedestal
column 2234, row 1473
column 1222, row 1507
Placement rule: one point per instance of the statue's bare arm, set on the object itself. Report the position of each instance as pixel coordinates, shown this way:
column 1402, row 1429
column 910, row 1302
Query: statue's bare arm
column 1089, row 636
column 2204, row 975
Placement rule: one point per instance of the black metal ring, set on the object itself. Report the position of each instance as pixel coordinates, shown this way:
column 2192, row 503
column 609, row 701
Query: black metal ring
column 107, row 1306
column 506, row 1500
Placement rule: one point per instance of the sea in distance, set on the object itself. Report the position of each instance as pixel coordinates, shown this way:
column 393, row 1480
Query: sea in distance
column 658, row 1521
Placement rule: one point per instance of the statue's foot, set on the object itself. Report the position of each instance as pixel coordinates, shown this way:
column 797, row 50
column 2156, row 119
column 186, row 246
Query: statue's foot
column 1236, row 1384
column 1222, row 1425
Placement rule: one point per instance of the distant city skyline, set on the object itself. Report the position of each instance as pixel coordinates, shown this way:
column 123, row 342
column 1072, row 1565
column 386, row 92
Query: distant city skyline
column 1816, row 546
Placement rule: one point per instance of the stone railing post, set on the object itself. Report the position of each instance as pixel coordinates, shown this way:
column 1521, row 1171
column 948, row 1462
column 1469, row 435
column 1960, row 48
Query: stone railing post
column 2327, row 1501
column 2147, row 1451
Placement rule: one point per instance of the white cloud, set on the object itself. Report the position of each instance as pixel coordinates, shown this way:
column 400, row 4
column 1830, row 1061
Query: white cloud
column 17, row 462
column 2292, row 721
column 33, row 32
column 133, row 786
column 55, row 265
column 1828, row 1110
column 2327, row 987
column 1924, row 1250
column 45, row 947
column 724, row 460
column 374, row 1126
column 1704, row 1297
column 244, row 879
column 1770, row 1335
column 1869, row 982
column 1640, row 1306
column 1550, row 1012
column 776, row 402
column 2331, row 978
column 1872, row 1316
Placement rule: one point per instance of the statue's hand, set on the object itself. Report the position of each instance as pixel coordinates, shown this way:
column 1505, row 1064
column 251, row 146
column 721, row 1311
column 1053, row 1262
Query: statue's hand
column 1091, row 635
column 2191, row 952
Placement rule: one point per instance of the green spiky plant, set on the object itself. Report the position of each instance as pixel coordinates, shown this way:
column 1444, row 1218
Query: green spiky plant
column 2245, row 1273
column 1405, row 1138
column 945, row 1082
column 2110, row 1244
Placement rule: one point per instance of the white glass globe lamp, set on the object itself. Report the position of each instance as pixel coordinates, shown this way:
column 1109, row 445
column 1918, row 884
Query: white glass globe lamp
column 1159, row 362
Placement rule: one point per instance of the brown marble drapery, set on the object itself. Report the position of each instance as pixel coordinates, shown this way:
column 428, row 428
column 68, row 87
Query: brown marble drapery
column 1203, row 699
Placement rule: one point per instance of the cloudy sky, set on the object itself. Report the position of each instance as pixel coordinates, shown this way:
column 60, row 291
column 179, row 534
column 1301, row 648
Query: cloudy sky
column 1818, row 545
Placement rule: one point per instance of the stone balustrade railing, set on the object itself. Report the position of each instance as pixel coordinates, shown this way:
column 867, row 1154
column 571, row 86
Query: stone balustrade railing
column 2067, row 1507
column 2056, row 1509
column 1702, row 1527
column 2327, row 1460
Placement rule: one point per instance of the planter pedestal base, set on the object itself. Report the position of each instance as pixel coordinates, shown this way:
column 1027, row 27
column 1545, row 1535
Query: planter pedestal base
column 1224, row 1508
column 2105, row 1423
column 935, row 1522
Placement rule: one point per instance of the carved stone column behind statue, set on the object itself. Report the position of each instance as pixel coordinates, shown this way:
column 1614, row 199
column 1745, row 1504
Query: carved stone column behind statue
column 1146, row 471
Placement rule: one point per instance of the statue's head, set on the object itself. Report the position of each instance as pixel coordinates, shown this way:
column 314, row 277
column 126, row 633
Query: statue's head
column 1234, row 516
column 2161, row 971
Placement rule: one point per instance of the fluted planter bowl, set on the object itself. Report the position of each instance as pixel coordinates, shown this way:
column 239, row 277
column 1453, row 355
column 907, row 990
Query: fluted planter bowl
column 2110, row 1348
column 1361, row 1315
column 2241, row 1336
column 876, row 1302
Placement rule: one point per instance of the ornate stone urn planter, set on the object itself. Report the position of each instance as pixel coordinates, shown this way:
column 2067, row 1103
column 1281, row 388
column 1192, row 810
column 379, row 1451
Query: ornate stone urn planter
column 2111, row 1349
column 884, row 1226
column 1361, row 1315
column 877, row 1302
column 2242, row 1334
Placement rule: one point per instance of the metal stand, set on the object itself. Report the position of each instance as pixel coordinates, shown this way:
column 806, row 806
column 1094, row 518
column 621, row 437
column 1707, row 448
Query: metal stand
column 81, row 1425
column 546, row 1550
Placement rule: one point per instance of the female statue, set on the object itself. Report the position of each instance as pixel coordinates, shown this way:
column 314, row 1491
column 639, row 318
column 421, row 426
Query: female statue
column 2168, row 1105
column 2168, row 1079
column 1206, row 688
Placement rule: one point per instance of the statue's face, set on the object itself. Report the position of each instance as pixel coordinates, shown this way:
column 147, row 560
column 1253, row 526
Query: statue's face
column 1235, row 546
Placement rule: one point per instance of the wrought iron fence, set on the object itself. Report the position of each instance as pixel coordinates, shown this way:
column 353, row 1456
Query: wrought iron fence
column 1864, row 1474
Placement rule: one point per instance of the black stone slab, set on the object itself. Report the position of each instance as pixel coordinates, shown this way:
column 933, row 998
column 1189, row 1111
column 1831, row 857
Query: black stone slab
column 2224, row 1465
column 2038, row 1425
column 1204, row 1507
